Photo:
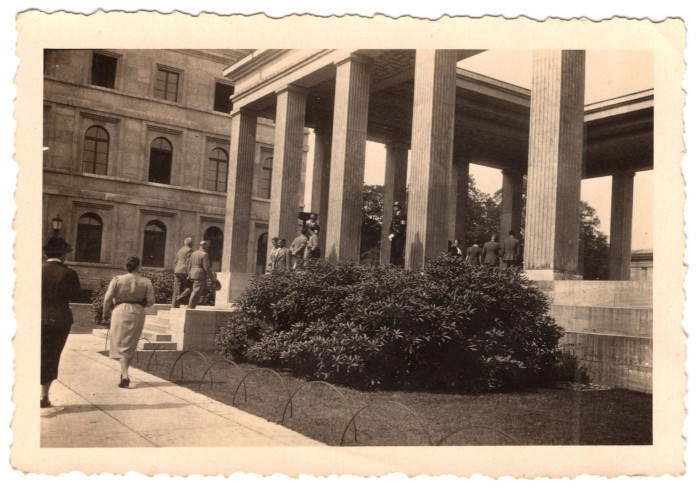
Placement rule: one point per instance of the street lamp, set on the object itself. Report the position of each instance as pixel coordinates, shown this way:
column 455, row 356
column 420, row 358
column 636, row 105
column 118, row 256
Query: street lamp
column 57, row 224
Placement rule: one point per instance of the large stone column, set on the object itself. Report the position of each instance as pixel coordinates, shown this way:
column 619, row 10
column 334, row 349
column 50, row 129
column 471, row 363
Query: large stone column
column 321, row 180
column 287, row 163
column 351, row 108
column 233, row 274
column 621, row 226
column 431, row 155
column 394, row 191
column 459, row 194
column 554, row 167
column 511, row 203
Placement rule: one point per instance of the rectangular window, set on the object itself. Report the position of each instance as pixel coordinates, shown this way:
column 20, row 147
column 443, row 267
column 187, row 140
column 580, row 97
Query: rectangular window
column 167, row 84
column 104, row 70
column 264, row 175
column 222, row 95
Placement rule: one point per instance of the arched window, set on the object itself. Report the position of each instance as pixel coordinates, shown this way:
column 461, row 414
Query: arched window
column 95, row 150
column 161, row 161
column 154, row 244
column 261, row 261
column 216, row 246
column 218, row 170
column 88, row 243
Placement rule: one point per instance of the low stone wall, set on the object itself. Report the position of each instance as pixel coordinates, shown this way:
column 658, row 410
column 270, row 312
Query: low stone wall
column 609, row 329
column 615, row 361
column 636, row 322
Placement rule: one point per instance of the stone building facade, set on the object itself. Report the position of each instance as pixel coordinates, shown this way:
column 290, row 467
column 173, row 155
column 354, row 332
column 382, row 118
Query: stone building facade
column 136, row 156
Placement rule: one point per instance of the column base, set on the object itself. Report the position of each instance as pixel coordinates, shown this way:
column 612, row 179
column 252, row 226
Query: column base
column 232, row 285
column 552, row 275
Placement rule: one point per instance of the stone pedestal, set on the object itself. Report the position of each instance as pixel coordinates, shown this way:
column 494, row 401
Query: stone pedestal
column 232, row 285
column 196, row 329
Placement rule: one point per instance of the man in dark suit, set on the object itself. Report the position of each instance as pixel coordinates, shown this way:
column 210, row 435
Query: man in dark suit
column 490, row 255
column 59, row 286
column 397, row 235
column 474, row 255
column 511, row 250
column 181, row 285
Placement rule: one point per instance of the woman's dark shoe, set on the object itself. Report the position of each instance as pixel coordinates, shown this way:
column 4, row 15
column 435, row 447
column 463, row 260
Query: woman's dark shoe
column 45, row 403
column 124, row 383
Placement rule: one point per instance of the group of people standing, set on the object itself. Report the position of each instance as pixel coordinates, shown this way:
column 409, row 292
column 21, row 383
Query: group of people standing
column 303, row 248
column 192, row 269
column 492, row 252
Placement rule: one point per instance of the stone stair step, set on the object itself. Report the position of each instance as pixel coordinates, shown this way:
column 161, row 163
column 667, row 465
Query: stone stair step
column 150, row 345
column 154, row 325
column 156, row 336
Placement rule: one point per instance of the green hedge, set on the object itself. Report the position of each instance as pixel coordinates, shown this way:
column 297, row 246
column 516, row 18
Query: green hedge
column 448, row 326
column 162, row 281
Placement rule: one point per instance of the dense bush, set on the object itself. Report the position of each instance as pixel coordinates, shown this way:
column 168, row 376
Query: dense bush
column 448, row 326
column 162, row 281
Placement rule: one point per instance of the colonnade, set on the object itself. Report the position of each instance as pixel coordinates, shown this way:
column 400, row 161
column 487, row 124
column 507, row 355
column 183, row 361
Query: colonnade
column 438, row 179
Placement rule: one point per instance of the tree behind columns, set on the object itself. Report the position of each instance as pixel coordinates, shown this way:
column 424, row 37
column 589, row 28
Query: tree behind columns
column 483, row 219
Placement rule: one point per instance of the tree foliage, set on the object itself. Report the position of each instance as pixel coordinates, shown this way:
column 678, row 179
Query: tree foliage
column 483, row 218
column 372, row 215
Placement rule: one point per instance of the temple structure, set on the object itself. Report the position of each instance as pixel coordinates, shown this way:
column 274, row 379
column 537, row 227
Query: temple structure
column 448, row 117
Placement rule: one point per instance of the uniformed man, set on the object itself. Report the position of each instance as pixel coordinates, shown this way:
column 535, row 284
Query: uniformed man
column 397, row 235
column 182, row 287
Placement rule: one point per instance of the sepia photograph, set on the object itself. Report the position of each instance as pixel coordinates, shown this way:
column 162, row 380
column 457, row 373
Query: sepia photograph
column 388, row 253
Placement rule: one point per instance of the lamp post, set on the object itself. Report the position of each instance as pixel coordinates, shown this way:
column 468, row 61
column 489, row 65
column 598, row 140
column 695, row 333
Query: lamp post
column 57, row 225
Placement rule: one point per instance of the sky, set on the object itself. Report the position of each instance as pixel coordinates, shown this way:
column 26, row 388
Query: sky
column 609, row 74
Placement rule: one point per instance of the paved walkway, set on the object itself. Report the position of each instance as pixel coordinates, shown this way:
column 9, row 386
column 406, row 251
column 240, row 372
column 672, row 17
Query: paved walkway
column 91, row 411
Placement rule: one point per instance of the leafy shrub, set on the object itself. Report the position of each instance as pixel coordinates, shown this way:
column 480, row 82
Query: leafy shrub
column 448, row 326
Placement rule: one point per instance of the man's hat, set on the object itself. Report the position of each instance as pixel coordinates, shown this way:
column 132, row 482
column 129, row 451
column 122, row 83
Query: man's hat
column 57, row 246
column 397, row 204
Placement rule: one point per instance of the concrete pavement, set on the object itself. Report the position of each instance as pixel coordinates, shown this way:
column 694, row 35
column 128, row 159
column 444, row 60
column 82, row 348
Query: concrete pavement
column 91, row 411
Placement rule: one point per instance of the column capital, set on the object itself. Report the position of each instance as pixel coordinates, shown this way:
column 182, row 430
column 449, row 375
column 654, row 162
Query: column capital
column 243, row 112
column 322, row 128
column 356, row 57
column 292, row 88
column 397, row 145
column 512, row 172
column 624, row 174
column 461, row 160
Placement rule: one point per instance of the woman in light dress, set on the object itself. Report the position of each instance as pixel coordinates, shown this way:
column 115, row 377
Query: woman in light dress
column 128, row 294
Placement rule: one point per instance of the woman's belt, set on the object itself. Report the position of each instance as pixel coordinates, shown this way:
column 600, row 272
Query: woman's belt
column 140, row 303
